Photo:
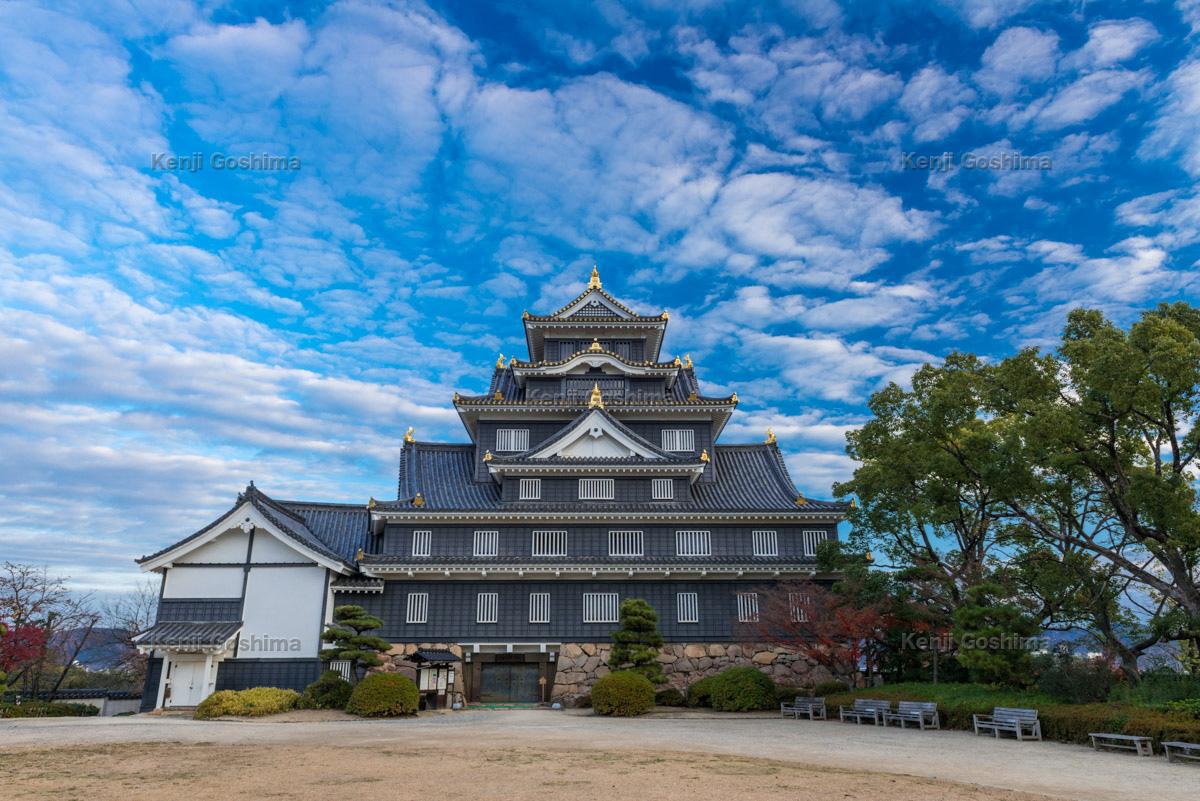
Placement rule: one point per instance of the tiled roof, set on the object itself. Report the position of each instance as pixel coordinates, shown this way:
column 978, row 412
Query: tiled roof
column 622, row 561
column 748, row 478
column 336, row 531
column 565, row 431
column 355, row 584
column 183, row 634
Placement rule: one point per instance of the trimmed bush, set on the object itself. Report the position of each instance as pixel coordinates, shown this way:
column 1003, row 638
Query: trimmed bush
column 785, row 695
column 623, row 693
column 700, row 692
column 830, row 687
column 1188, row 707
column 50, row 709
column 252, row 703
column 669, row 697
column 743, row 689
column 384, row 695
column 329, row 691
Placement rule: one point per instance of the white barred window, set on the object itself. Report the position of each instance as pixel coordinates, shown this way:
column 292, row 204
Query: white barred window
column 809, row 540
column 687, row 607
column 531, row 489
column 662, row 489
column 600, row 607
column 692, row 543
column 624, row 543
column 512, row 439
column 747, row 607
column 539, row 607
column 597, row 489
column 678, row 439
column 549, row 543
column 766, row 543
column 487, row 543
column 418, row 608
column 800, row 603
column 487, row 606
column 422, row 543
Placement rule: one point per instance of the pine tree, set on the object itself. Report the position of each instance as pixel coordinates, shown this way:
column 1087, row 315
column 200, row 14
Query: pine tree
column 350, row 643
column 637, row 642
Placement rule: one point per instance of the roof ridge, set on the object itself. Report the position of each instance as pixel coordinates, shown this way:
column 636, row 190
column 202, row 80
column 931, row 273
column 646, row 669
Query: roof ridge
column 343, row 504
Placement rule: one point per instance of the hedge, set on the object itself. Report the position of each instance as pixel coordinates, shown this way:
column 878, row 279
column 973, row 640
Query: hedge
column 1067, row 723
column 252, row 703
column 44, row 709
column 329, row 691
column 623, row 693
column 384, row 695
column 742, row 689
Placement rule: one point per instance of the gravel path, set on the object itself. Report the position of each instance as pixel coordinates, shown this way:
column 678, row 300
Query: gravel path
column 1051, row 769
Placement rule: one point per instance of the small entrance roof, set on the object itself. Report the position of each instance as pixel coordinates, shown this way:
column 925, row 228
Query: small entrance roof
column 189, row 635
column 433, row 655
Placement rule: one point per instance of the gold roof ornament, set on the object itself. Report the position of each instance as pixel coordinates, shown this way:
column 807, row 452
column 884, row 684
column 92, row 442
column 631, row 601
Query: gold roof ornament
column 692, row 396
column 853, row 502
column 408, row 435
column 734, row 397
column 456, row 397
column 594, row 282
column 770, row 440
column 801, row 500
column 870, row 557
column 595, row 346
column 687, row 361
column 418, row 500
column 704, row 455
column 525, row 314
column 677, row 362
column 597, row 399
column 499, row 396
column 512, row 361
column 500, row 362
column 358, row 555
column 371, row 503
column 666, row 316
column 487, row 456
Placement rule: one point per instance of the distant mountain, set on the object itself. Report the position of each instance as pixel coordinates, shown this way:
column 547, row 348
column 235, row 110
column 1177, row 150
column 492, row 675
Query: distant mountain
column 104, row 649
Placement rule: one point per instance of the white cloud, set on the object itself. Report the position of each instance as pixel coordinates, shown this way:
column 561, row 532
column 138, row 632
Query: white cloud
column 1174, row 214
column 1112, row 41
column 937, row 103
column 1174, row 130
column 1019, row 58
column 987, row 13
column 1087, row 97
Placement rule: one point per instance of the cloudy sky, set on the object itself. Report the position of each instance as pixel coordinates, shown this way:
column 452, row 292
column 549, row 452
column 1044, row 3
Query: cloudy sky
column 166, row 335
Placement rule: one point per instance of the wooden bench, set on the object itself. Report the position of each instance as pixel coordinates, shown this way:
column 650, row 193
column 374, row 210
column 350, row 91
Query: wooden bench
column 922, row 713
column 871, row 709
column 1023, row 723
column 1126, row 742
column 1176, row 749
column 811, row 708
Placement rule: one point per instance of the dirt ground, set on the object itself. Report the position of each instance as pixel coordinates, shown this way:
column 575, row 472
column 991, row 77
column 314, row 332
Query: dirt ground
column 204, row 771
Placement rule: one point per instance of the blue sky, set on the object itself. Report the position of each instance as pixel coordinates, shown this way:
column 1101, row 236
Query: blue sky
column 166, row 336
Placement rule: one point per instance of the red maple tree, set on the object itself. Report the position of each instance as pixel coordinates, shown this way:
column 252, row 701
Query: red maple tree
column 20, row 646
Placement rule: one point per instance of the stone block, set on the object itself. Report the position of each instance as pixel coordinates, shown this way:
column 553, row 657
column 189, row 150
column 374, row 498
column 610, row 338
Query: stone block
column 694, row 651
column 764, row 658
column 589, row 648
column 571, row 650
column 716, row 649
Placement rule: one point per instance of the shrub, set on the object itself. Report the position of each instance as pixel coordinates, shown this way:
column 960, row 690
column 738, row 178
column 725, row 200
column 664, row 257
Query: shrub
column 623, row 693
column 584, row 701
column 384, row 695
column 1076, row 681
column 785, row 695
column 700, row 692
column 742, row 689
column 252, row 703
column 637, row 642
column 830, row 688
column 1187, row 707
column 47, row 709
column 329, row 691
column 669, row 697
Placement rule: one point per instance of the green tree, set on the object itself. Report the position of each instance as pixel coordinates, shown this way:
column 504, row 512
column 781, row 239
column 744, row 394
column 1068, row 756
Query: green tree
column 994, row 637
column 637, row 642
column 349, row 640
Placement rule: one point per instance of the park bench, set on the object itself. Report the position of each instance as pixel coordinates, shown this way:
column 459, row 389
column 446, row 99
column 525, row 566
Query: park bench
column 811, row 708
column 922, row 713
column 1023, row 723
column 1126, row 742
column 1180, row 750
column 871, row 709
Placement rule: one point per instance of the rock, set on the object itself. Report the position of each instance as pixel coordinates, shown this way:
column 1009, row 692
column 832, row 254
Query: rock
column 589, row 648
column 571, row 650
column 684, row 666
column 456, row 650
column 591, row 664
column 704, row 663
column 694, row 651
column 733, row 651
column 666, row 657
column 764, row 658
column 716, row 650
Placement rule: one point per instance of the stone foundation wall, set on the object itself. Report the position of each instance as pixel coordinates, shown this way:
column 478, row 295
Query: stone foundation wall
column 580, row 664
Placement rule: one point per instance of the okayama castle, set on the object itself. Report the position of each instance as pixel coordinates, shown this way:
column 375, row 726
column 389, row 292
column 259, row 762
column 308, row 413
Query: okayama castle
column 593, row 473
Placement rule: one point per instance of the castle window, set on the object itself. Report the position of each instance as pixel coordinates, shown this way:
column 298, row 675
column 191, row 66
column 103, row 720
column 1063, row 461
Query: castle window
column 678, row 439
column 600, row 607
column 487, row 543
column 687, row 607
column 422, row 543
column 809, row 540
column 530, row 489
column 624, row 543
column 597, row 489
column 549, row 543
column 800, row 603
column 747, row 607
column 487, row 607
column 418, row 608
column 766, row 543
column 692, row 543
column 512, row 439
column 662, row 489
column 539, row 607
